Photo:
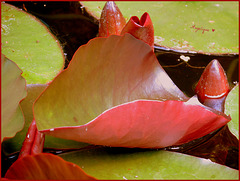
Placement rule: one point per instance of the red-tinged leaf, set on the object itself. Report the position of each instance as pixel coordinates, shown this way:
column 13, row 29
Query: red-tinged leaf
column 111, row 20
column 104, row 73
column 33, row 142
column 45, row 166
column 146, row 124
column 213, row 83
column 141, row 29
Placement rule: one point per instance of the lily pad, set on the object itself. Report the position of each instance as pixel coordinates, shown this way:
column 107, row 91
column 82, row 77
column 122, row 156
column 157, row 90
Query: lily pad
column 131, row 164
column 12, row 92
column 232, row 108
column 188, row 25
column 28, row 42
column 45, row 167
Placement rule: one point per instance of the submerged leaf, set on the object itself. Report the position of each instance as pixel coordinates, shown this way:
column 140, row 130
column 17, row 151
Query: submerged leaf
column 45, row 167
column 12, row 92
column 104, row 73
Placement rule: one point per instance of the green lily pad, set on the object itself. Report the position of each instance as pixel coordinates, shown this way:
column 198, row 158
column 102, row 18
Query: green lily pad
column 189, row 26
column 232, row 108
column 12, row 92
column 124, row 164
column 28, row 42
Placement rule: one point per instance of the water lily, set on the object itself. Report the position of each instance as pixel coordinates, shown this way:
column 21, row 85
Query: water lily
column 115, row 93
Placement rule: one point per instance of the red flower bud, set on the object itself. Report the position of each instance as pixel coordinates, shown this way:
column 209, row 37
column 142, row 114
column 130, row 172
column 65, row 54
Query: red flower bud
column 33, row 142
column 111, row 21
column 213, row 83
column 141, row 29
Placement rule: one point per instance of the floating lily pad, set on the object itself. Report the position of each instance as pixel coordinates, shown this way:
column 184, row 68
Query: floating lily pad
column 187, row 25
column 232, row 108
column 28, row 42
column 12, row 92
column 129, row 164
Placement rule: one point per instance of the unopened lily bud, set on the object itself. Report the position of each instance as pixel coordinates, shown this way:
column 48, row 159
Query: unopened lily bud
column 33, row 142
column 213, row 83
column 141, row 29
column 111, row 20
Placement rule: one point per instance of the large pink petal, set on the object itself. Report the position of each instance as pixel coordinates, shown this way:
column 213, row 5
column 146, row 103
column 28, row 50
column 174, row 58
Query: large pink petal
column 146, row 124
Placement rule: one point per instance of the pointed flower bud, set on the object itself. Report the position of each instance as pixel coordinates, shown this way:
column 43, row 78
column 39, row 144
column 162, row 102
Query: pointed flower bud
column 141, row 29
column 111, row 20
column 33, row 142
column 213, row 83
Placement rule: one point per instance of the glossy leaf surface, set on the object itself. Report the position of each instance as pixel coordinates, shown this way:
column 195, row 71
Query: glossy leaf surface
column 45, row 167
column 132, row 164
column 104, row 73
column 145, row 124
column 12, row 92
column 232, row 108
column 180, row 25
column 28, row 42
